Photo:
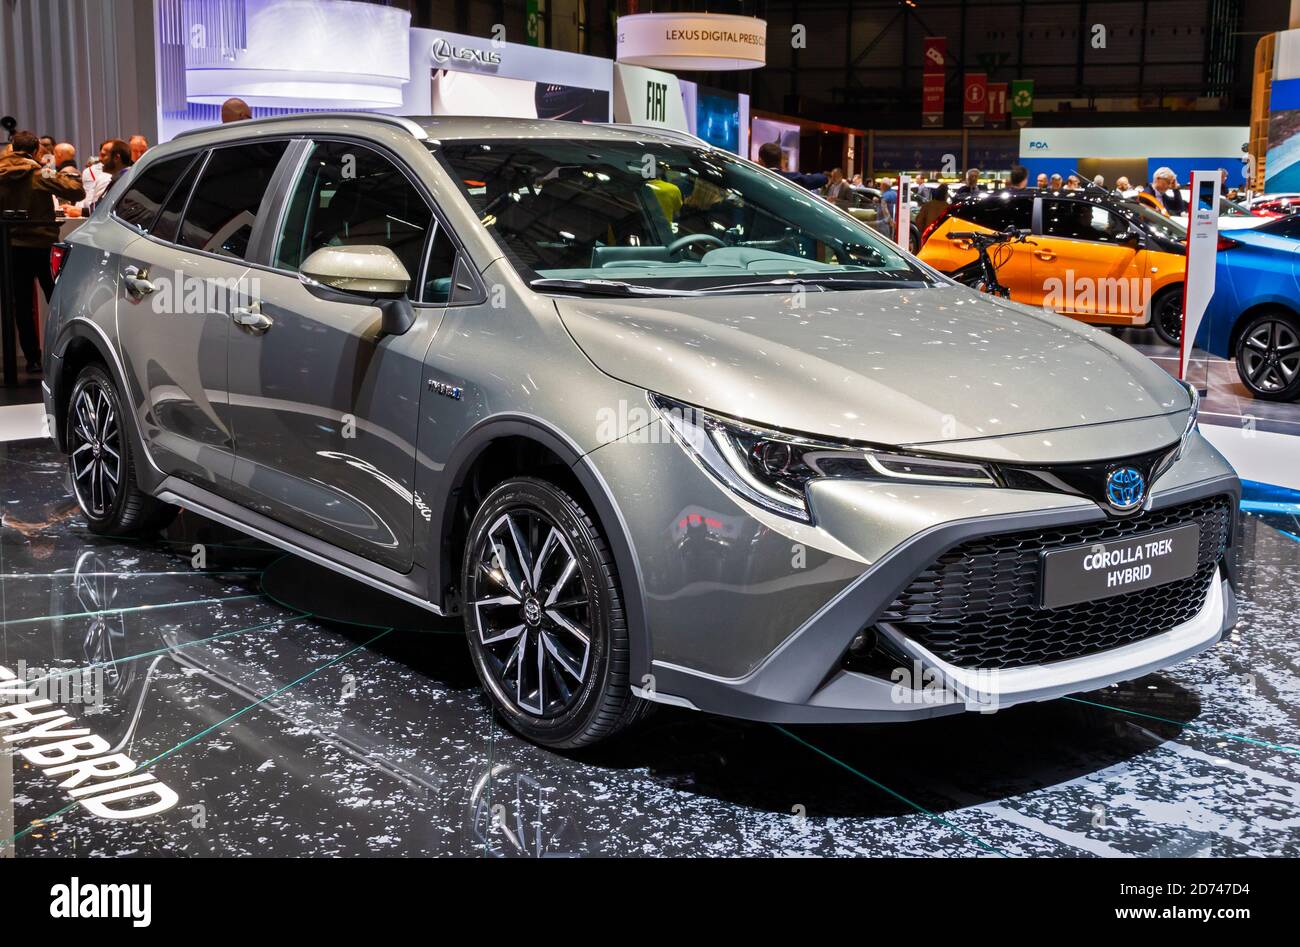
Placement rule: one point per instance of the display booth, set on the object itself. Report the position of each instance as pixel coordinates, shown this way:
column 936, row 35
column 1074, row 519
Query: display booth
column 343, row 55
column 808, row 146
column 361, row 56
column 470, row 75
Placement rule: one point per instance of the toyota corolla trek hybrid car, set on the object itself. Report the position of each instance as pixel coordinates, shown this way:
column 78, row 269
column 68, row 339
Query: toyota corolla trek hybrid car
column 658, row 425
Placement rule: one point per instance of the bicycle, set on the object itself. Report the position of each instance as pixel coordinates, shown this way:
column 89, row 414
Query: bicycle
column 983, row 273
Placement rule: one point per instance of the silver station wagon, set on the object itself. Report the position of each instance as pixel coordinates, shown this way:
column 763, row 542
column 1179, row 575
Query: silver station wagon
column 660, row 426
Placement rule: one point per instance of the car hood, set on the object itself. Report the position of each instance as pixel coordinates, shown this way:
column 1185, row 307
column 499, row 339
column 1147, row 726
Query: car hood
column 930, row 366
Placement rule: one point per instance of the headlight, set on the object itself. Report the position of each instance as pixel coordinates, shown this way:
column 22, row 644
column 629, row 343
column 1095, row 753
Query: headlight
column 774, row 469
column 1192, row 414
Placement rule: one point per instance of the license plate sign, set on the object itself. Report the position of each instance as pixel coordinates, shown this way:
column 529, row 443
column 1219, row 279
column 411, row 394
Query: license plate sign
column 1101, row 570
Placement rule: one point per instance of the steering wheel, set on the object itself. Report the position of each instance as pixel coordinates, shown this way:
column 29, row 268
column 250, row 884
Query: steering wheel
column 681, row 243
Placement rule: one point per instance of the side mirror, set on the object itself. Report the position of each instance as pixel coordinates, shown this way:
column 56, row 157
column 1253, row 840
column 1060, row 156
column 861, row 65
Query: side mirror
column 365, row 270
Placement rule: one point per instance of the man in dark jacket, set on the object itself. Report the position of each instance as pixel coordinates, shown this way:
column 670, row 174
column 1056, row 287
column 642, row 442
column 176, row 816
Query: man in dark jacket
column 26, row 186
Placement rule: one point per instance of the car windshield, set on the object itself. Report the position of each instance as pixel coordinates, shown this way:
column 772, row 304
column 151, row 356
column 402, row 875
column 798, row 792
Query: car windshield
column 1229, row 208
column 1158, row 223
column 629, row 213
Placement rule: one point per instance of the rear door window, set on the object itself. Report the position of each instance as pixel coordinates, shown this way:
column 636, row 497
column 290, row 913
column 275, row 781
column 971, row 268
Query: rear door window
column 1083, row 220
column 228, row 197
column 997, row 212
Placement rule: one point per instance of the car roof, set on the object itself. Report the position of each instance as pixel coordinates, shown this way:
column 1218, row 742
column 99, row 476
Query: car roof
column 1092, row 194
column 440, row 128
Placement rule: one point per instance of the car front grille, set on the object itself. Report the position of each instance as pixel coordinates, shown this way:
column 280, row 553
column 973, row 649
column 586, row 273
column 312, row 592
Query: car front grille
column 977, row 605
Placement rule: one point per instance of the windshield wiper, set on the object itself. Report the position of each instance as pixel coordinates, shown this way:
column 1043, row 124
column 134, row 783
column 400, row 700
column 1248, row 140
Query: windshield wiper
column 610, row 287
column 824, row 283
column 606, row 287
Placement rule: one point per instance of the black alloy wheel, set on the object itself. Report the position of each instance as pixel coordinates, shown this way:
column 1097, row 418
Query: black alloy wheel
column 544, row 617
column 95, row 449
column 101, row 465
column 1268, row 357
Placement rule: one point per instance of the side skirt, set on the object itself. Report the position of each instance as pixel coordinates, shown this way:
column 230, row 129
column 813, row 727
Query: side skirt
column 408, row 587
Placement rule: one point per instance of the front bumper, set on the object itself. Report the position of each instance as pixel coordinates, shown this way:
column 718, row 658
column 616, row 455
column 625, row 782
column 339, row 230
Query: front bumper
column 775, row 648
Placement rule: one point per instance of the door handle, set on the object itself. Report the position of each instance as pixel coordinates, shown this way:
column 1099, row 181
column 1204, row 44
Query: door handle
column 1045, row 254
column 137, row 282
column 251, row 318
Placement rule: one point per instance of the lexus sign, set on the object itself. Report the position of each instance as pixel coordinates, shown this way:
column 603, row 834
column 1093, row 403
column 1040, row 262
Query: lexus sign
column 444, row 53
column 707, row 42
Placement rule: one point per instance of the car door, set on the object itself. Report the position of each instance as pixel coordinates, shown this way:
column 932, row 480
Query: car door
column 178, row 282
column 324, row 405
column 1089, row 262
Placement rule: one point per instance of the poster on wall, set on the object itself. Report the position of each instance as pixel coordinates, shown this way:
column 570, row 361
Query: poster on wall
column 468, row 93
column 1282, row 164
column 975, row 99
column 717, row 118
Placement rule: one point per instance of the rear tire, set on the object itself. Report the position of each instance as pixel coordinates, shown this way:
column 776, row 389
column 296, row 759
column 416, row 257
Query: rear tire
column 545, row 619
column 1268, row 356
column 1167, row 315
column 101, row 462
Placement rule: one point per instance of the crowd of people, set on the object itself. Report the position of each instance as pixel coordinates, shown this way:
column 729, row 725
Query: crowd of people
column 41, row 184
column 1163, row 189
column 932, row 199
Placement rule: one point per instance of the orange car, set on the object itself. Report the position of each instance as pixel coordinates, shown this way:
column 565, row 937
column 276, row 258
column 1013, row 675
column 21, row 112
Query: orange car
column 1088, row 255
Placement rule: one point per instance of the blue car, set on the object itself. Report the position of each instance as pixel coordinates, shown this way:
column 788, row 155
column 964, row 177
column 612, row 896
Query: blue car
column 1255, row 313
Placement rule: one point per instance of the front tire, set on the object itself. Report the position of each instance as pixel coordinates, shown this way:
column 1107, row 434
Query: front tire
column 101, row 463
column 545, row 619
column 1268, row 356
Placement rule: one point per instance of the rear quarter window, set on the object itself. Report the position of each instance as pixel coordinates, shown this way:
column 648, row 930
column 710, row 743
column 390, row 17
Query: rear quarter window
column 139, row 206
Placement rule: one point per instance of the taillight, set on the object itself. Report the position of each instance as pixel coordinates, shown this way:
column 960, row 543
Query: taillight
column 58, row 256
column 1227, row 244
column 925, row 234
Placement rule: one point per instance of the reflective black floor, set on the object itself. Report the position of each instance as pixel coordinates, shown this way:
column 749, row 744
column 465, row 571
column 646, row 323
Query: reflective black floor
column 284, row 732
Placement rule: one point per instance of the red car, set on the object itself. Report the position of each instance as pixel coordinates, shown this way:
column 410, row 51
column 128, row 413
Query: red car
column 1276, row 205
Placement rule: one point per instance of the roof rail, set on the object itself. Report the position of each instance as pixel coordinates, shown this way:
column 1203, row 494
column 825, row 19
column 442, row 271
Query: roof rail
column 400, row 121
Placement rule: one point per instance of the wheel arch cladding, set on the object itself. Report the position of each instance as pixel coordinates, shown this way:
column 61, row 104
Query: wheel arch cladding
column 80, row 348
column 504, row 447
column 79, row 345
